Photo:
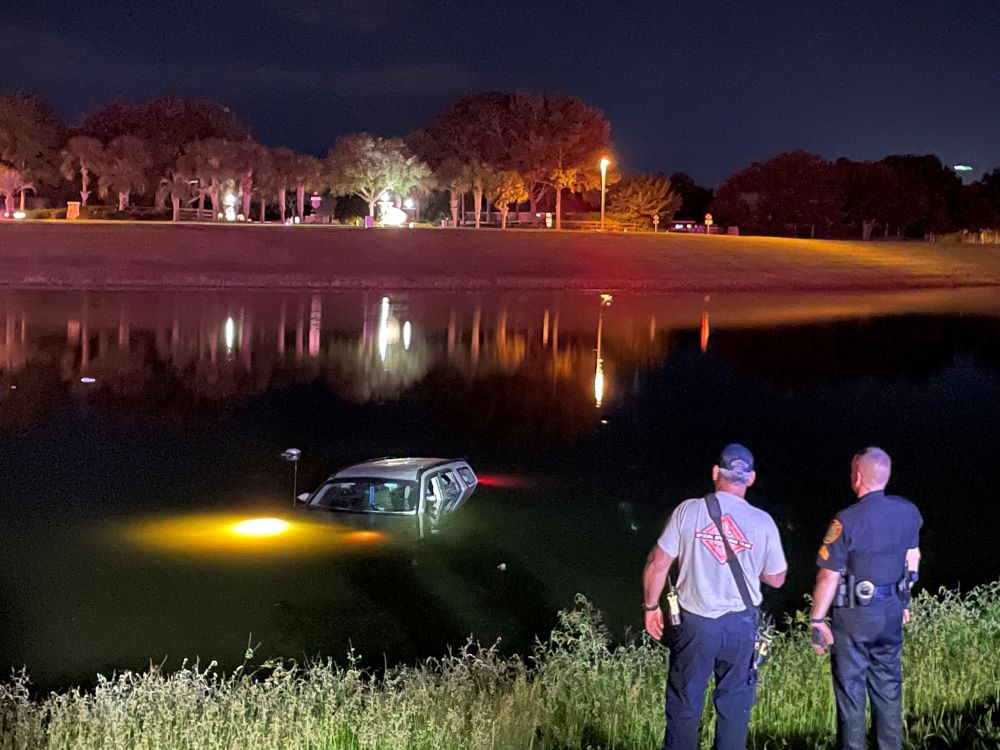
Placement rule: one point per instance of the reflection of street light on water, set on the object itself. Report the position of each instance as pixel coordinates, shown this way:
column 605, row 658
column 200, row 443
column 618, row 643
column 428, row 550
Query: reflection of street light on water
column 599, row 369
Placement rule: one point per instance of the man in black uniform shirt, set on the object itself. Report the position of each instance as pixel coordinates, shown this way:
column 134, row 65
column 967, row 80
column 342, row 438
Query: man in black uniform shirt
column 867, row 565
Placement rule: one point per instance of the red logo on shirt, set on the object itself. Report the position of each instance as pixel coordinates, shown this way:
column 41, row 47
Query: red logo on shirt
column 709, row 536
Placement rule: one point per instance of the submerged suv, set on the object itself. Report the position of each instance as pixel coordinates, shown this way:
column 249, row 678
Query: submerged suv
column 420, row 487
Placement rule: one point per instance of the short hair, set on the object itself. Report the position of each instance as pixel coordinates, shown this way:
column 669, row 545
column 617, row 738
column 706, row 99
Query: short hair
column 874, row 465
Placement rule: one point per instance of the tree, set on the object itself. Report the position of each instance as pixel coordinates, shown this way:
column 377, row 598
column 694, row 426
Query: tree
column 565, row 139
column 466, row 145
column 167, row 125
column 212, row 162
column 282, row 175
column 641, row 198
column 695, row 199
column 12, row 183
column 248, row 156
column 551, row 141
column 307, row 173
column 82, row 154
column 31, row 136
column 979, row 207
column 176, row 185
column 125, row 168
column 778, row 196
column 507, row 188
column 368, row 166
column 871, row 195
column 928, row 189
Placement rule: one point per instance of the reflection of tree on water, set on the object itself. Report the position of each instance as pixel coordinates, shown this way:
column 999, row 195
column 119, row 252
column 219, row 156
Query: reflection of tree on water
column 179, row 362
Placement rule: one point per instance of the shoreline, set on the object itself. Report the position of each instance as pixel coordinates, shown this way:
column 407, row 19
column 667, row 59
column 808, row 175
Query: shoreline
column 160, row 257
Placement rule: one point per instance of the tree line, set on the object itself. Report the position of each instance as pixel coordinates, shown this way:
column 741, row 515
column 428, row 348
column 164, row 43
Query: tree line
column 802, row 194
column 501, row 149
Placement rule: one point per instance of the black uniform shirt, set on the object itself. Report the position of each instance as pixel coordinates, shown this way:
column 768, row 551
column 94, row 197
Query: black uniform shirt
column 870, row 538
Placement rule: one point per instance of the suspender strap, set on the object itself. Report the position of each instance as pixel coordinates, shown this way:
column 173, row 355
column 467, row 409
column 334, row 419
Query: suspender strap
column 715, row 513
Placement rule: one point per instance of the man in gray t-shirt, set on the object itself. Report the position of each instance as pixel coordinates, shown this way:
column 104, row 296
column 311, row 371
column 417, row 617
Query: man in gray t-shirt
column 716, row 633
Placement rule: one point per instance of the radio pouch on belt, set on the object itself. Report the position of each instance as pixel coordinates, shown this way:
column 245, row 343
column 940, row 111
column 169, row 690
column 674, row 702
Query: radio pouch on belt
column 765, row 630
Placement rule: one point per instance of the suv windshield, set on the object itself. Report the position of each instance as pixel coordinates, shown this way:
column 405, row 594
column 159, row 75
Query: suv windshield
column 367, row 496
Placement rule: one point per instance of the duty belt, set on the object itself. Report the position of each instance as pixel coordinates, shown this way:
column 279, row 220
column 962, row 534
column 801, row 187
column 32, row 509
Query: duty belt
column 853, row 593
column 884, row 592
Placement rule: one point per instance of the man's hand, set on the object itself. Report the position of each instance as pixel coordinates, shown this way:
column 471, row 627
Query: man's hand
column 906, row 616
column 825, row 636
column 654, row 623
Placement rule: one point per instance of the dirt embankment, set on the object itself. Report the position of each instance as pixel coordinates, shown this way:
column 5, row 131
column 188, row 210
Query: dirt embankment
column 132, row 255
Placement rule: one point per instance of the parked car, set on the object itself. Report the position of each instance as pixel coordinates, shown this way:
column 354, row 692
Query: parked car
column 419, row 488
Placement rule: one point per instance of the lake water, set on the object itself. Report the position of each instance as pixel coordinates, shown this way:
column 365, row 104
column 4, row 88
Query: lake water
column 137, row 428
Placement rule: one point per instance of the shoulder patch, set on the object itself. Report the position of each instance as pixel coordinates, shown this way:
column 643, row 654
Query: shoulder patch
column 833, row 533
column 824, row 553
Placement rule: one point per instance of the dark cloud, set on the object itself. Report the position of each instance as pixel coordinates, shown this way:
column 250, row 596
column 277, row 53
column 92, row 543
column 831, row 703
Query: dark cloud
column 344, row 14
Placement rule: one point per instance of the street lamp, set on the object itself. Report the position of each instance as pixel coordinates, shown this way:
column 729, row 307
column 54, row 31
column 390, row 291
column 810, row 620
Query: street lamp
column 604, row 185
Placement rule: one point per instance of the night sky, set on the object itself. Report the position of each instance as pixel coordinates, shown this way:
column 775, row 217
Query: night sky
column 698, row 87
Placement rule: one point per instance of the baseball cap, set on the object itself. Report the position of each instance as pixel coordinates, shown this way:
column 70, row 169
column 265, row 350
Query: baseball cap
column 736, row 461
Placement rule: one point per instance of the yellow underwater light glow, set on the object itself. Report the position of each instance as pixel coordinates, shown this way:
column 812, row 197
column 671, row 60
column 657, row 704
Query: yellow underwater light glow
column 228, row 535
column 260, row 527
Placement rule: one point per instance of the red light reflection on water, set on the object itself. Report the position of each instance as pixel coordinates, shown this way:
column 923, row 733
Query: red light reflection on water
column 506, row 481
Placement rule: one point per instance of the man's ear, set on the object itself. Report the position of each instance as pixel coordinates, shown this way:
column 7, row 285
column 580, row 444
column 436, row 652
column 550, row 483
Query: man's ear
column 752, row 478
column 715, row 473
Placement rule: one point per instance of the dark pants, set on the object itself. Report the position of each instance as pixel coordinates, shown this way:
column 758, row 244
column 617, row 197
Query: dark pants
column 868, row 642
column 699, row 648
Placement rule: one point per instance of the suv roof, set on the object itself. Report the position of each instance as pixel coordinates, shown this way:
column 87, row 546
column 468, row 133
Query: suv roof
column 394, row 468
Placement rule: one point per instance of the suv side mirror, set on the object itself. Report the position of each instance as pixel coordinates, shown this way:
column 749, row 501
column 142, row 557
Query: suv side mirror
column 303, row 497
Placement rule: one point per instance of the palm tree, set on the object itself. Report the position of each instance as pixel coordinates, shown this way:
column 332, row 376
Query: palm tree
column 11, row 183
column 307, row 173
column 282, row 174
column 179, row 187
column 84, row 155
column 248, row 156
column 125, row 167
column 212, row 162
column 265, row 180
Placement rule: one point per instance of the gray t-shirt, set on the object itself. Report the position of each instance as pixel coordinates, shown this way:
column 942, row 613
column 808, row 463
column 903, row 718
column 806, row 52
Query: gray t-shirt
column 705, row 584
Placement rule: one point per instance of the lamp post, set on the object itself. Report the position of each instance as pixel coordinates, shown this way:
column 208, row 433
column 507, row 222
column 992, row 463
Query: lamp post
column 293, row 455
column 604, row 185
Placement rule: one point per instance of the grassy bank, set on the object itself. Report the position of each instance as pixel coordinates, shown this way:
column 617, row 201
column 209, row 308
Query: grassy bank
column 144, row 255
column 576, row 691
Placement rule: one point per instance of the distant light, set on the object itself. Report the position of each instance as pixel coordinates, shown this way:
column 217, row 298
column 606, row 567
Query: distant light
column 260, row 527
column 88, row 381
column 20, row 215
column 962, row 168
column 605, row 161
column 407, row 335
column 408, row 203
column 229, row 331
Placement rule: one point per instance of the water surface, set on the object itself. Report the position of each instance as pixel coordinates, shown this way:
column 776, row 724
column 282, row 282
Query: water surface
column 136, row 430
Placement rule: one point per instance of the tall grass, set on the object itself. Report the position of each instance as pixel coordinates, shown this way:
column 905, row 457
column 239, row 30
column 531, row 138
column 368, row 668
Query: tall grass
column 575, row 691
